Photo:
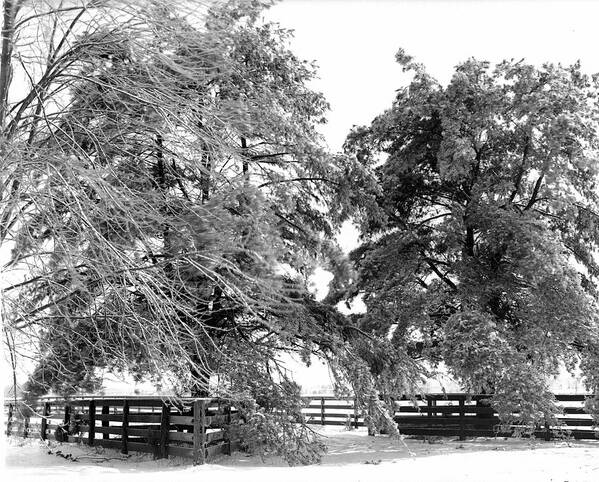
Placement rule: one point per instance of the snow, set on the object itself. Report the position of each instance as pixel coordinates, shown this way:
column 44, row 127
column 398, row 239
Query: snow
column 353, row 456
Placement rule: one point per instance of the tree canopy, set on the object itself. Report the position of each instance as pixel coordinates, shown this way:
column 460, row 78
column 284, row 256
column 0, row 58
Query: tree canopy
column 480, row 241
column 165, row 197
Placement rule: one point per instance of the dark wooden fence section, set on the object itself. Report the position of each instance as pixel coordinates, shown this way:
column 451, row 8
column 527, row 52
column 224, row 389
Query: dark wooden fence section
column 455, row 415
column 197, row 428
column 200, row 428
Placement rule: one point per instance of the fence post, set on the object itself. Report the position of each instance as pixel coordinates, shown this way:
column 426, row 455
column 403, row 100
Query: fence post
column 105, row 423
column 164, row 429
column 125, row 427
column 322, row 411
column 462, row 414
column 44, row 427
column 355, row 412
column 65, row 424
column 9, row 420
column 547, row 430
column 26, row 422
column 199, row 432
column 67, row 415
column 429, row 403
column 91, row 422
column 228, row 429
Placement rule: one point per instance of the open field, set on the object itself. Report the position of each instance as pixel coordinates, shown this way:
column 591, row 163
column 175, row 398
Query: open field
column 353, row 456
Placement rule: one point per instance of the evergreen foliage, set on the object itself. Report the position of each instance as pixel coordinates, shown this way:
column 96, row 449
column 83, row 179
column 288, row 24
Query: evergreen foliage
column 480, row 250
column 166, row 195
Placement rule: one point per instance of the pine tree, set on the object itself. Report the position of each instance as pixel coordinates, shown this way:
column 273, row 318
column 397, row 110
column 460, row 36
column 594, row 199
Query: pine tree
column 480, row 249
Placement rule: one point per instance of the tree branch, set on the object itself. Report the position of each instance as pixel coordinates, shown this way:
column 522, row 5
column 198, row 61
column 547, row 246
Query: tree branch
column 295, row 179
column 257, row 157
column 535, row 192
column 443, row 277
column 520, row 171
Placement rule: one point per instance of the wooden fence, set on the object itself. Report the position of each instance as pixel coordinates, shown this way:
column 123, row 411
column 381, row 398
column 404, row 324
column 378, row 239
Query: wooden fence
column 202, row 428
column 193, row 428
column 455, row 415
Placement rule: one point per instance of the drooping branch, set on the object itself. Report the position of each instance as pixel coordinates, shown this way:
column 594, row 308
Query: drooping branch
column 261, row 157
column 298, row 179
column 441, row 276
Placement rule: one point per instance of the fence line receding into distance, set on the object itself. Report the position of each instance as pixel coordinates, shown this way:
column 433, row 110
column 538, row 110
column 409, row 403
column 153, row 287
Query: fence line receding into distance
column 455, row 414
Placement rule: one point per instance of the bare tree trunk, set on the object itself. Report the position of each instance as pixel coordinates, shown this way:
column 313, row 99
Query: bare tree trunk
column 10, row 8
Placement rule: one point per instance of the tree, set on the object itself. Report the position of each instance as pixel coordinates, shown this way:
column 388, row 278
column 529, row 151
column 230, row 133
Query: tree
column 165, row 197
column 480, row 244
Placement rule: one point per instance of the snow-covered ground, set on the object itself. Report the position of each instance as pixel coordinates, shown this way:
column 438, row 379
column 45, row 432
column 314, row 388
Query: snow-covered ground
column 353, row 456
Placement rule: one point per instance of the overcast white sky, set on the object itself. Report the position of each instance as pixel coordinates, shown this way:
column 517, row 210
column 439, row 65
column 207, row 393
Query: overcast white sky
column 354, row 43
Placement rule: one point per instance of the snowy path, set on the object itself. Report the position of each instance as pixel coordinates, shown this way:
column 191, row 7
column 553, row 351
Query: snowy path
column 353, row 456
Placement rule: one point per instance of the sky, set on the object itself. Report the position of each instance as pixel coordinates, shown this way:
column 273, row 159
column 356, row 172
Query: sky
column 354, row 43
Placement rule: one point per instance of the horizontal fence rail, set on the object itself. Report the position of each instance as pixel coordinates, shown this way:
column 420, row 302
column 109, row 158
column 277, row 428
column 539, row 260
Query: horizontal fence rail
column 202, row 428
column 455, row 414
column 192, row 428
